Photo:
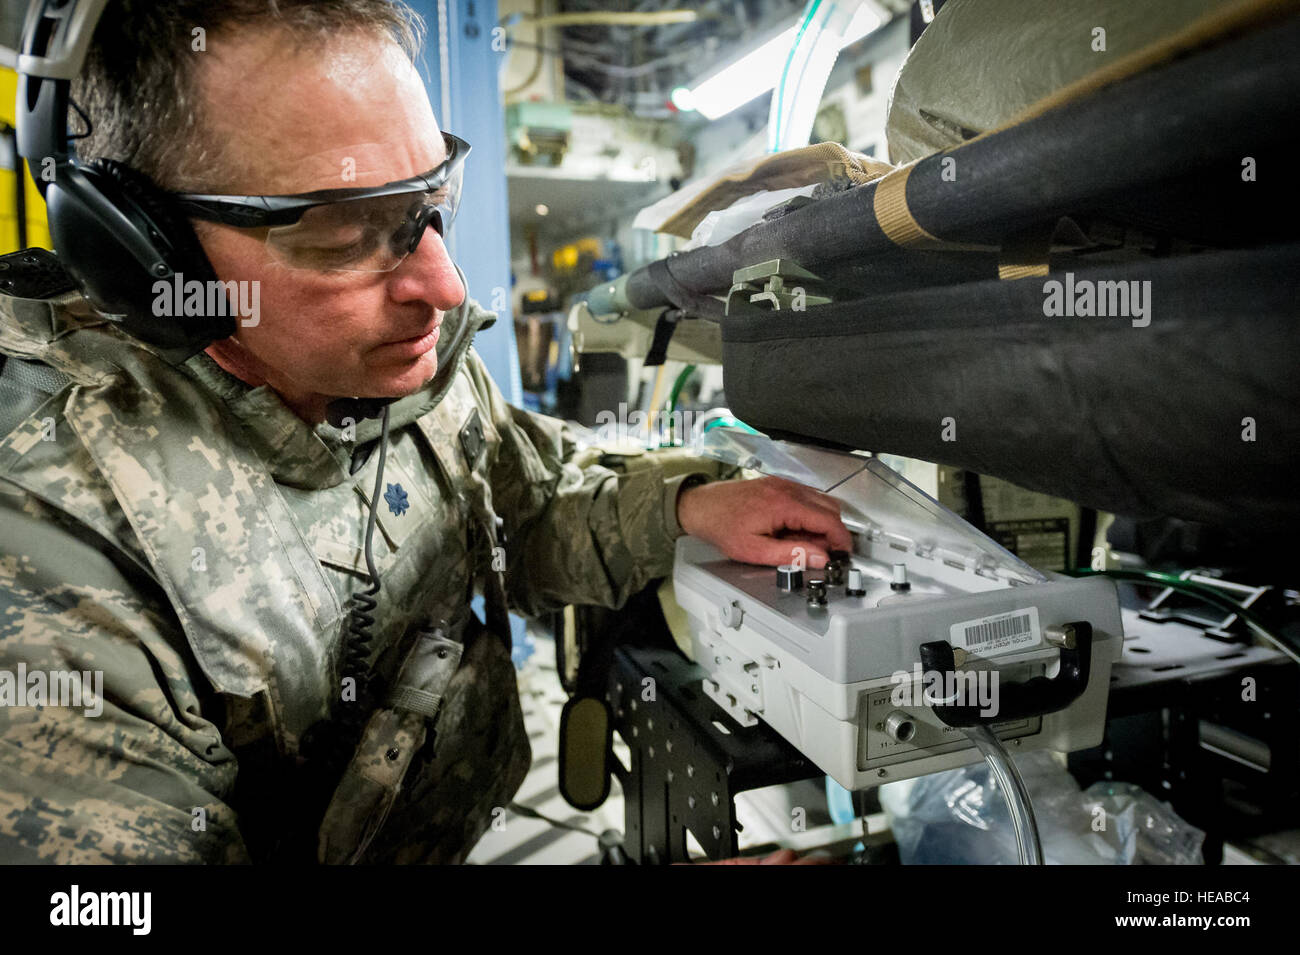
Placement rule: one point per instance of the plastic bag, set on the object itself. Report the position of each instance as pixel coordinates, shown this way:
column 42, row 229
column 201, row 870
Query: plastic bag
column 961, row 817
column 1163, row 837
column 681, row 212
column 723, row 224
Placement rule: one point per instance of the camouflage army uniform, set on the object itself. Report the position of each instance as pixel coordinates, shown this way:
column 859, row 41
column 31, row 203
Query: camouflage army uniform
column 192, row 539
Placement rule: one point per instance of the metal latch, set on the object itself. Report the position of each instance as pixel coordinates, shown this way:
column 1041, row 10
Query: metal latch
column 779, row 284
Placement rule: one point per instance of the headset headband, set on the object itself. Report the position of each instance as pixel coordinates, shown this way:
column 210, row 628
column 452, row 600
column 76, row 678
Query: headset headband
column 56, row 36
column 114, row 230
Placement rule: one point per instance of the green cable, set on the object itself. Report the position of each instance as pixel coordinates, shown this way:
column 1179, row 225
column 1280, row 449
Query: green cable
column 675, row 394
column 730, row 423
column 1200, row 591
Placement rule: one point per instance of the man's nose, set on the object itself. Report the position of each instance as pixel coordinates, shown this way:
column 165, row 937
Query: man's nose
column 428, row 275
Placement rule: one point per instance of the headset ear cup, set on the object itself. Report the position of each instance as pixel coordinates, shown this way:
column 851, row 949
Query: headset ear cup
column 185, row 252
column 105, row 218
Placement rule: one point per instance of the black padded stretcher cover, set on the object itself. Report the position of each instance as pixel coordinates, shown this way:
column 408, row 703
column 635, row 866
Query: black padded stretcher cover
column 1142, row 421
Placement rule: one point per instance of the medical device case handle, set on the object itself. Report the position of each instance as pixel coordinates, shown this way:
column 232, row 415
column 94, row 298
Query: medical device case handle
column 1034, row 697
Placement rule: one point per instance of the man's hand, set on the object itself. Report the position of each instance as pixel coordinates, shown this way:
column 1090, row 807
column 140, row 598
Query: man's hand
column 762, row 521
column 780, row 857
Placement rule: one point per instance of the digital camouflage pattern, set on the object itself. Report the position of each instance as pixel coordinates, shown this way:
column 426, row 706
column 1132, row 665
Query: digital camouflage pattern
column 192, row 539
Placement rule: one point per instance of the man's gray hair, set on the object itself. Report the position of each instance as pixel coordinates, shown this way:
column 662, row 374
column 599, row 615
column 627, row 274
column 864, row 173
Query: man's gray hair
column 139, row 86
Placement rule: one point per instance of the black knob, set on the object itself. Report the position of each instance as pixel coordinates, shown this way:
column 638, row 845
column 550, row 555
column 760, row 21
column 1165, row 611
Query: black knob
column 835, row 572
column 817, row 592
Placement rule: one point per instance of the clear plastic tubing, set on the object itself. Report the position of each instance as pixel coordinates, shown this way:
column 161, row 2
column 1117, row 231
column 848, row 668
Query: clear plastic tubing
column 1028, row 843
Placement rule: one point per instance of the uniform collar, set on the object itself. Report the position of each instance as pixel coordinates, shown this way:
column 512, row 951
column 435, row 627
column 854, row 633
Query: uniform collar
column 303, row 455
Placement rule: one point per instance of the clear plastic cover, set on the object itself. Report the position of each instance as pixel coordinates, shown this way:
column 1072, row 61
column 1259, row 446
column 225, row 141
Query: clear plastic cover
column 878, row 502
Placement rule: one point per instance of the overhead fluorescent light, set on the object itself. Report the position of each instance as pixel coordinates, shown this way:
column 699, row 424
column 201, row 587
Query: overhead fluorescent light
column 757, row 72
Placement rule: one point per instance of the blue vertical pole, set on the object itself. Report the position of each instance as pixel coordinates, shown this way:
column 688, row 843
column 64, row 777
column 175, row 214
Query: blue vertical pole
column 461, row 69
column 462, row 60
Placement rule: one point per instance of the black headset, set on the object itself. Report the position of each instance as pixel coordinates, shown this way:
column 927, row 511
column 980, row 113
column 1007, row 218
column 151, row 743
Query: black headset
column 116, row 233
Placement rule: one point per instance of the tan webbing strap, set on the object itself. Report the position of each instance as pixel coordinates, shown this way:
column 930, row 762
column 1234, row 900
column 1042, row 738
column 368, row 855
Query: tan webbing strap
column 896, row 220
column 1025, row 255
column 1021, row 270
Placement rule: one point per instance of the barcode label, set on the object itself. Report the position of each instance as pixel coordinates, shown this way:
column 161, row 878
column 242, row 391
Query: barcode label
column 1000, row 633
column 997, row 630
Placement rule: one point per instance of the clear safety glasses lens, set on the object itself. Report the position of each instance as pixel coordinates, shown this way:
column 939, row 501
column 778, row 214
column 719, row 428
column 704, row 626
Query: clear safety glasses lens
column 365, row 235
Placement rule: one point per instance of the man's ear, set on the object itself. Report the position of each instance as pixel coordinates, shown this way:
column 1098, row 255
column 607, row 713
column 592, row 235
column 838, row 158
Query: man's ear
column 206, row 233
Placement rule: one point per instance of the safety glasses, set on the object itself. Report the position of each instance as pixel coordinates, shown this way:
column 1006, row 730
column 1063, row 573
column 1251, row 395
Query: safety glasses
column 368, row 229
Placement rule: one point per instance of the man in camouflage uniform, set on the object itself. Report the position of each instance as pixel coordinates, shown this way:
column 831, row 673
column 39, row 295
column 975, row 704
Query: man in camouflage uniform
column 193, row 530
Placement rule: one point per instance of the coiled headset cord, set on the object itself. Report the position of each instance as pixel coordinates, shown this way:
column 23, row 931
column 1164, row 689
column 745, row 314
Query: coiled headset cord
column 333, row 745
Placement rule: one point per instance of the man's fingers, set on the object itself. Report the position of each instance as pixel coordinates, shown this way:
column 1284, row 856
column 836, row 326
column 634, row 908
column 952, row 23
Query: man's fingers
column 766, row 521
column 821, row 504
column 768, row 550
column 780, row 857
column 817, row 857
column 797, row 515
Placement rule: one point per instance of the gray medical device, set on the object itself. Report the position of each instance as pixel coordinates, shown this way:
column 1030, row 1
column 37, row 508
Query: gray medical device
column 872, row 666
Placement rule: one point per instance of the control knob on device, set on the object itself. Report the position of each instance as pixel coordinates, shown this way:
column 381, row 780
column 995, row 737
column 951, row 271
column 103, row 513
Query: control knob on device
column 853, row 586
column 789, row 578
column 835, row 572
